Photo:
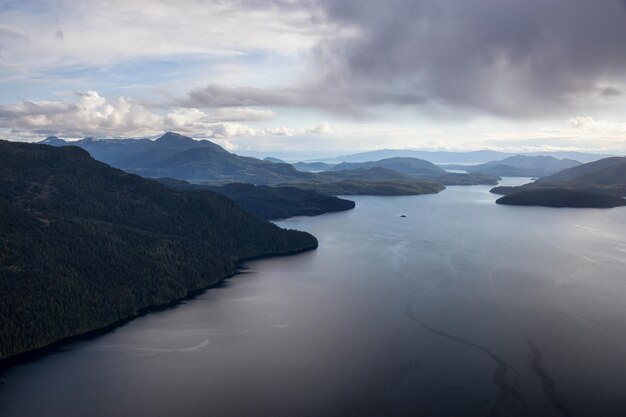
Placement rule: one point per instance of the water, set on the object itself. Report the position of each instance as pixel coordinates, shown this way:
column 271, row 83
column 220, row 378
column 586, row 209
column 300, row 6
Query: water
column 463, row 308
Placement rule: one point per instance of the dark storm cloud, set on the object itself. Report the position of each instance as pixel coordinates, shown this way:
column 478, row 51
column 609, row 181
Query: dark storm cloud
column 506, row 57
column 502, row 56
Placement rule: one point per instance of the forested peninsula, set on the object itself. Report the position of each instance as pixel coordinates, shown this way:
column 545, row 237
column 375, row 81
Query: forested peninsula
column 84, row 245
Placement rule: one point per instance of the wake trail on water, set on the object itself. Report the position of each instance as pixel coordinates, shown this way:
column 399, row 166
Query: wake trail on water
column 534, row 360
column 499, row 376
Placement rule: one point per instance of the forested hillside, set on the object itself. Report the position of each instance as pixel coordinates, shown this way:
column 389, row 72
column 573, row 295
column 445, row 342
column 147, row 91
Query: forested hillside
column 271, row 202
column 83, row 245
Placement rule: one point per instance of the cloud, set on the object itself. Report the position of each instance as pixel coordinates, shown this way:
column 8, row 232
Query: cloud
column 591, row 125
column 507, row 58
column 611, row 92
column 105, row 32
column 323, row 128
column 92, row 115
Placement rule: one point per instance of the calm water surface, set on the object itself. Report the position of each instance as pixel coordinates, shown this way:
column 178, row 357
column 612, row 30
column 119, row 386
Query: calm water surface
column 463, row 308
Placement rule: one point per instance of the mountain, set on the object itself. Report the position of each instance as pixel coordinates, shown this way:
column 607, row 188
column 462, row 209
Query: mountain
column 272, row 202
column 458, row 157
column 607, row 176
column 54, row 141
column 607, row 172
column 367, row 173
column 411, row 166
column 520, row 166
column 381, row 187
column 178, row 156
column 312, row 166
column 415, row 168
column 274, row 160
column 84, row 245
column 574, row 187
column 560, row 197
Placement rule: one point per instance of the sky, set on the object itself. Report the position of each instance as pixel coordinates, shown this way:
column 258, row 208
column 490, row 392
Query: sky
column 299, row 76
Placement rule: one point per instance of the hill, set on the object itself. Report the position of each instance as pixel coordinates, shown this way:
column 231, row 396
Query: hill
column 312, row 166
column 383, row 188
column 84, row 245
column 608, row 173
column 272, row 202
column 560, row 197
column 520, row 166
column 458, row 157
column 177, row 156
column 413, row 168
column 274, row 160
column 410, row 166
column 606, row 176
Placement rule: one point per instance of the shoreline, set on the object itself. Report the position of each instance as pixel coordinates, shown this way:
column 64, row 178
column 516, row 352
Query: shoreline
column 38, row 353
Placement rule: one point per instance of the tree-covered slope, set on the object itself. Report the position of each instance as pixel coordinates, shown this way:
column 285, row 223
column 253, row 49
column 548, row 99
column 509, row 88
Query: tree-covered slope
column 271, row 202
column 410, row 166
column 559, row 197
column 83, row 245
column 607, row 172
column 606, row 176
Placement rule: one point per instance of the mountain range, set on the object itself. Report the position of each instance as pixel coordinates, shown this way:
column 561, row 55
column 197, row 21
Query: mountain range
column 201, row 161
column 456, row 157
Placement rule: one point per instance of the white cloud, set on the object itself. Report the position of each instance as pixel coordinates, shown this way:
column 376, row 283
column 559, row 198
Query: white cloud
column 323, row 128
column 103, row 32
column 93, row 115
column 589, row 124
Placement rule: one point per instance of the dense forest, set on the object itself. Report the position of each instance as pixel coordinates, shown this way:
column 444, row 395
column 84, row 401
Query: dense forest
column 560, row 197
column 385, row 188
column 271, row 202
column 83, row 245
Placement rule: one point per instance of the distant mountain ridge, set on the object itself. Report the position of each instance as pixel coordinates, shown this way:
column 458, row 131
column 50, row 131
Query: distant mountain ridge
column 457, row 157
column 520, row 166
column 410, row 166
column 181, row 157
column 178, row 156
column 414, row 168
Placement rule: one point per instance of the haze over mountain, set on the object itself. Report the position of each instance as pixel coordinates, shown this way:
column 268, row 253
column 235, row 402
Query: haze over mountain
column 274, row 160
column 177, row 156
column 312, row 166
column 520, row 166
column 460, row 157
column 181, row 157
column 84, row 245
column 410, row 166
column 416, row 168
